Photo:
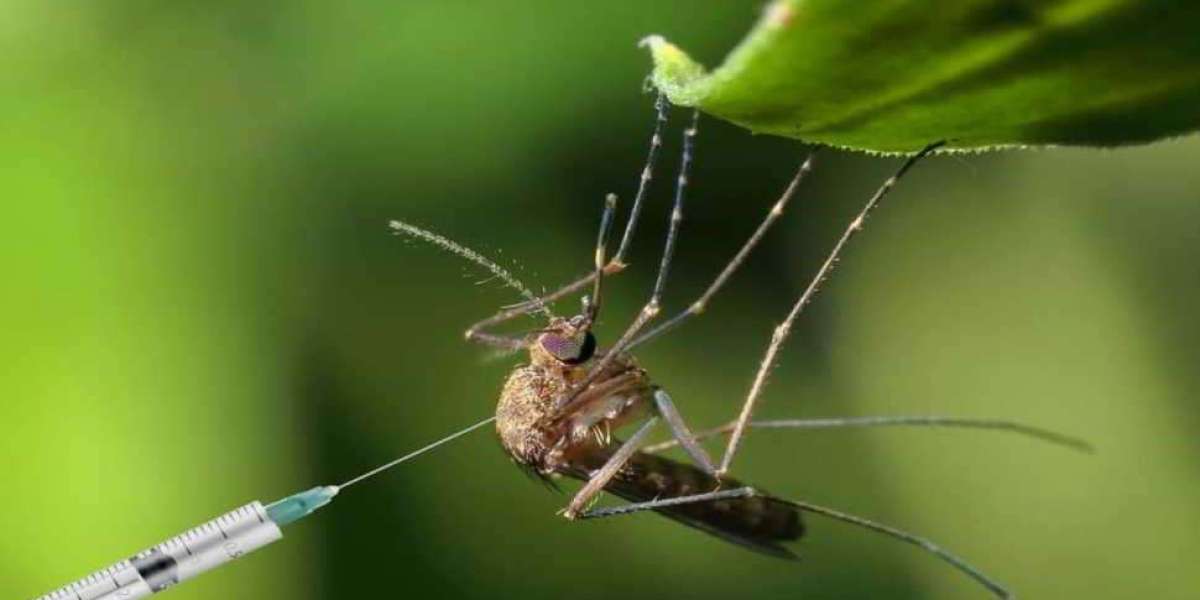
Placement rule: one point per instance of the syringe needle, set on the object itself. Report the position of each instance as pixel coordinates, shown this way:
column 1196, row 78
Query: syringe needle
column 416, row 453
column 215, row 543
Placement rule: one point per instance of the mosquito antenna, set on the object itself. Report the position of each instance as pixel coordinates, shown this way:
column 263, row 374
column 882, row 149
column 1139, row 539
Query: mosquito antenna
column 400, row 227
column 416, row 453
column 617, row 263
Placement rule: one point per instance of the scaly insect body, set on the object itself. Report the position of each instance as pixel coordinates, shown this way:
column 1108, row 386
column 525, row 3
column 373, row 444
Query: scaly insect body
column 576, row 440
column 532, row 426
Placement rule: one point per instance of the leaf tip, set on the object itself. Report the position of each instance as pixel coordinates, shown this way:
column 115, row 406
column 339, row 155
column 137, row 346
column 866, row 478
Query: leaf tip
column 675, row 73
column 652, row 41
column 779, row 14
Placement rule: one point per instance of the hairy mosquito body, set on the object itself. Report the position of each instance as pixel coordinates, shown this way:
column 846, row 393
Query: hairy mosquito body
column 539, row 435
column 548, row 441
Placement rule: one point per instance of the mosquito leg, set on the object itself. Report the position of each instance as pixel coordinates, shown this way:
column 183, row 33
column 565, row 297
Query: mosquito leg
column 652, row 306
column 781, row 332
column 1034, row 432
column 701, row 303
column 624, row 383
column 660, row 121
column 593, row 307
column 604, row 474
column 746, row 492
column 685, row 164
column 614, row 266
column 1037, row 433
column 921, row 542
column 682, row 434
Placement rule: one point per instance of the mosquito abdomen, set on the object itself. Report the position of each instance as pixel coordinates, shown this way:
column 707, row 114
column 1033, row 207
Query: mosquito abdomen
column 756, row 523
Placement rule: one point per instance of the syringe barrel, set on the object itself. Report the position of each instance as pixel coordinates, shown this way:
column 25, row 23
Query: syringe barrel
column 229, row 536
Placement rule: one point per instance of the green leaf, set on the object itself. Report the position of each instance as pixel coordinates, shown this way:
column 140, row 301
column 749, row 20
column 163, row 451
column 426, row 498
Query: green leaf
column 892, row 76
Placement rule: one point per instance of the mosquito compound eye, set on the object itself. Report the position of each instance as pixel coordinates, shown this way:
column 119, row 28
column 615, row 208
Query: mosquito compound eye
column 589, row 348
column 571, row 351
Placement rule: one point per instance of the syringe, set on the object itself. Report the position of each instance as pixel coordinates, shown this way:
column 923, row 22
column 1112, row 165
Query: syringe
column 229, row 536
column 217, row 542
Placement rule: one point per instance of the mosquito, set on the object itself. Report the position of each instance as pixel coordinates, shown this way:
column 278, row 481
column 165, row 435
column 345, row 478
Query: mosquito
column 558, row 413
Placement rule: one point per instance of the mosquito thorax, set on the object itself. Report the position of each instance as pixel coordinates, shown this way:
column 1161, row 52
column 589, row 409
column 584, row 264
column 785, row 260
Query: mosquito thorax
column 558, row 359
column 529, row 420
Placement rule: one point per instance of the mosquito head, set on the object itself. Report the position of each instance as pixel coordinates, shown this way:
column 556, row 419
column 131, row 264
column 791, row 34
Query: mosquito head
column 564, row 342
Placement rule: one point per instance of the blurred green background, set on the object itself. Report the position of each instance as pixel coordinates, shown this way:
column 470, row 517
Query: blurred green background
column 203, row 306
